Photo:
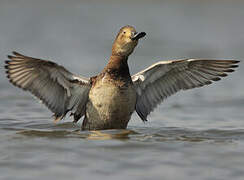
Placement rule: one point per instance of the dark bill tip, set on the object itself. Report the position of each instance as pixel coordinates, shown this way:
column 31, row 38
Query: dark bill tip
column 139, row 36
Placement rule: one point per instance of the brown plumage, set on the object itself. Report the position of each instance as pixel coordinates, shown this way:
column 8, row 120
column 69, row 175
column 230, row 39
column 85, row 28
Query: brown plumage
column 108, row 99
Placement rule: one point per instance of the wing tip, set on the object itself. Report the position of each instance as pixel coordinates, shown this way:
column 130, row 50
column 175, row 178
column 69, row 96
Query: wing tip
column 10, row 57
column 216, row 79
column 141, row 115
column 7, row 65
column 229, row 70
column 16, row 53
column 207, row 83
column 234, row 66
column 223, row 74
column 236, row 61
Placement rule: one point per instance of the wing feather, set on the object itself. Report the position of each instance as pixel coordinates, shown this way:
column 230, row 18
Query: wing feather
column 57, row 88
column 165, row 78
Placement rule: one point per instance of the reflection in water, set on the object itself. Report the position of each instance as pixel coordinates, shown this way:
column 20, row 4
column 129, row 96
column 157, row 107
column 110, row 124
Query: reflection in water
column 49, row 134
column 163, row 134
column 91, row 135
column 106, row 135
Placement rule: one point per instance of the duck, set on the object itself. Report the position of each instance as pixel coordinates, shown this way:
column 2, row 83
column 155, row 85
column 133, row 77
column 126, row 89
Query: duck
column 107, row 100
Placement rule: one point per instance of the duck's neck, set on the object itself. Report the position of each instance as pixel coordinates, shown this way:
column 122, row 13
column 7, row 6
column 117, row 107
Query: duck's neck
column 118, row 66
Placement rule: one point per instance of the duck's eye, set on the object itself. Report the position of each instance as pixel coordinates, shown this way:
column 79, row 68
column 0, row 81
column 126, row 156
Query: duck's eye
column 124, row 32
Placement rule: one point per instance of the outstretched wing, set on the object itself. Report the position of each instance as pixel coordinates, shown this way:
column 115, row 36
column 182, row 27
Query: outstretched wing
column 165, row 78
column 60, row 90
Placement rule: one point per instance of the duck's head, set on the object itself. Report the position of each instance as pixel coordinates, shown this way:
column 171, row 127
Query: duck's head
column 126, row 41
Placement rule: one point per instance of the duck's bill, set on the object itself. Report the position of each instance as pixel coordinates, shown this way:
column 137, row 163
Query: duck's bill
column 139, row 36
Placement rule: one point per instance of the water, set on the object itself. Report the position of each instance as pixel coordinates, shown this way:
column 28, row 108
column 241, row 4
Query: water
column 198, row 134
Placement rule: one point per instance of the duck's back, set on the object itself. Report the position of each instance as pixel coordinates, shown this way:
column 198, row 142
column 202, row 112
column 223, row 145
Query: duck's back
column 111, row 103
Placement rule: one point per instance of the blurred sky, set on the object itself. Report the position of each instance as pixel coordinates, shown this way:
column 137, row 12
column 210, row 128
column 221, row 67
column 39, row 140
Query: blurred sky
column 79, row 34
